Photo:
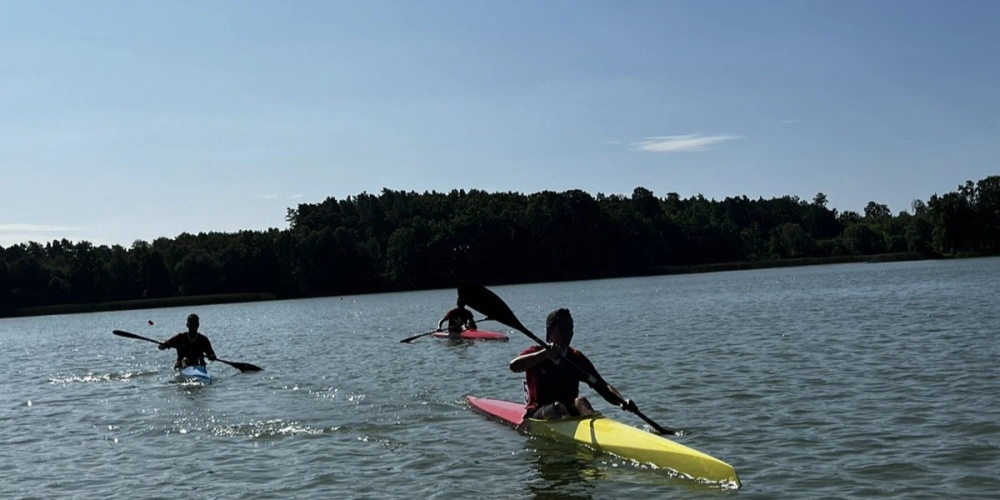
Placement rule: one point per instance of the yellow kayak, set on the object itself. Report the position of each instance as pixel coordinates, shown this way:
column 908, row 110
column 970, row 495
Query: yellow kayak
column 606, row 435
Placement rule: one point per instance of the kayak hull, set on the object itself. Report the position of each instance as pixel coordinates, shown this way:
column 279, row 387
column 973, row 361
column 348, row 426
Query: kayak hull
column 196, row 373
column 475, row 335
column 607, row 435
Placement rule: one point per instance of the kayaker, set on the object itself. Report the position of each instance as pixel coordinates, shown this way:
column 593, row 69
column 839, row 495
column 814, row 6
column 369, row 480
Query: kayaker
column 551, row 384
column 192, row 347
column 458, row 319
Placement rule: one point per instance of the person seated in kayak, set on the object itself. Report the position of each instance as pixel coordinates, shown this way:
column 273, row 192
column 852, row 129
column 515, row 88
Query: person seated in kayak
column 192, row 347
column 458, row 319
column 552, row 384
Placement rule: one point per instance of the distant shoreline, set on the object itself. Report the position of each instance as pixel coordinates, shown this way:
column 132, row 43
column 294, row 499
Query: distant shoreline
column 199, row 300
column 732, row 266
column 805, row 261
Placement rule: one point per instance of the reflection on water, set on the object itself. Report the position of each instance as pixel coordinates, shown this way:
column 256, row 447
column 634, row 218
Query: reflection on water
column 450, row 342
column 564, row 471
column 572, row 471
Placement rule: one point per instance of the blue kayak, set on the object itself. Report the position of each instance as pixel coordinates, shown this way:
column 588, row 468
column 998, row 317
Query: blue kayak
column 197, row 373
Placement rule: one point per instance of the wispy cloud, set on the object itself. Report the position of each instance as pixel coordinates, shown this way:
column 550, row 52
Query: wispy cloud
column 36, row 228
column 282, row 196
column 787, row 122
column 681, row 143
column 13, row 234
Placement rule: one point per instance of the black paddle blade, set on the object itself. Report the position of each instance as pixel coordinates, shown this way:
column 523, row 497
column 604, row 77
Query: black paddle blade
column 243, row 367
column 121, row 333
column 656, row 427
column 489, row 304
column 407, row 340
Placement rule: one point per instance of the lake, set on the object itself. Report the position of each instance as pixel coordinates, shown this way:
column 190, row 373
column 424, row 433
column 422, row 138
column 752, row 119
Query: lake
column 839, row 381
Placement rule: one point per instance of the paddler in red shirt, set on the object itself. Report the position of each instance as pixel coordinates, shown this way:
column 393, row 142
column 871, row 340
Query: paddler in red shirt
column 458, row 319
column 191, row 346
column 552, row 384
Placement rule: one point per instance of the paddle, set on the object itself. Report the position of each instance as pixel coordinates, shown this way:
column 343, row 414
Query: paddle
column 409, row 340
column 486, row 302
column 243, row 367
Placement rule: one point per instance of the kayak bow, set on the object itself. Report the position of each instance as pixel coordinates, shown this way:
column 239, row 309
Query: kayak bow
column 196, row 373
column 604, row 434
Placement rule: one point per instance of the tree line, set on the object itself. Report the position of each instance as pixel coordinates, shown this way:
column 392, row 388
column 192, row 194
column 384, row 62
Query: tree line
column 400, row 240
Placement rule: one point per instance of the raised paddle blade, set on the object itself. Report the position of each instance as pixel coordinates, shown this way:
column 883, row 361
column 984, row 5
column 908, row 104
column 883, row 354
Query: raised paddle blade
column 243, row 367
column 121, row 333
column 490, row 305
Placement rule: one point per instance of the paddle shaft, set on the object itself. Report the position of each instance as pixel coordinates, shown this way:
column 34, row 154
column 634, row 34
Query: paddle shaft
column 121, row 333
column 407, row 340
column 239, row 366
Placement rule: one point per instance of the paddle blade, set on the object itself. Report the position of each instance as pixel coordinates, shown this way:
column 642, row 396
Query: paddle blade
column 407, row 340
column 126, row 334
column 121, row 333
column 632, row 408
column 243, row 367
column 489, row 304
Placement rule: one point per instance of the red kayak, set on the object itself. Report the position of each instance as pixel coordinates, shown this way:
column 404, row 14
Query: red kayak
column 475, row 335
column 506, row 412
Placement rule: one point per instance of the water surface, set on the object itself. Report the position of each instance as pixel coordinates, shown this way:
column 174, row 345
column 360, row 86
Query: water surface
column 844, row 381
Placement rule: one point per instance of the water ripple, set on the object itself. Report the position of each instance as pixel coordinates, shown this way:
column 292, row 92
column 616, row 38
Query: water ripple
column 847, row 381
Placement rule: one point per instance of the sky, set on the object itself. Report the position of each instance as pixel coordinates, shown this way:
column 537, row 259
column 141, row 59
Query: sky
column 126, row 120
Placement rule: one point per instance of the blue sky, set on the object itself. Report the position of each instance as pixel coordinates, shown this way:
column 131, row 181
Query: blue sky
column 133, row 120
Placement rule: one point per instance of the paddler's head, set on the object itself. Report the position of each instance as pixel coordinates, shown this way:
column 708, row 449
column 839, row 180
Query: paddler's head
column 559, row 327
column 192, row 323
column 460, row 303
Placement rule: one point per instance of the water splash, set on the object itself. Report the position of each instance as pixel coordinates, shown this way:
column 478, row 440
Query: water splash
column 92, row 377
column 266, row 428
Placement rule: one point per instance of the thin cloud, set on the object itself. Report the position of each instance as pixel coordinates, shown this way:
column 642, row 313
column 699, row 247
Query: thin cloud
column 15, row 234
column 276, row 196
column 36, row 228
column 786, row 122
column 681, row 143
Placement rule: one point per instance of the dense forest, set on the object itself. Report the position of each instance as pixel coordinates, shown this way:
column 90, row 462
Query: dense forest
column 404, row 240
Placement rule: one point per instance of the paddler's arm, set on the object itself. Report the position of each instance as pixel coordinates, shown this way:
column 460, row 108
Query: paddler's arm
column 524, row 362
column 602, row 387
column 168, row 344
column 468, row 319
column 209, row 352
column 617, row 398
